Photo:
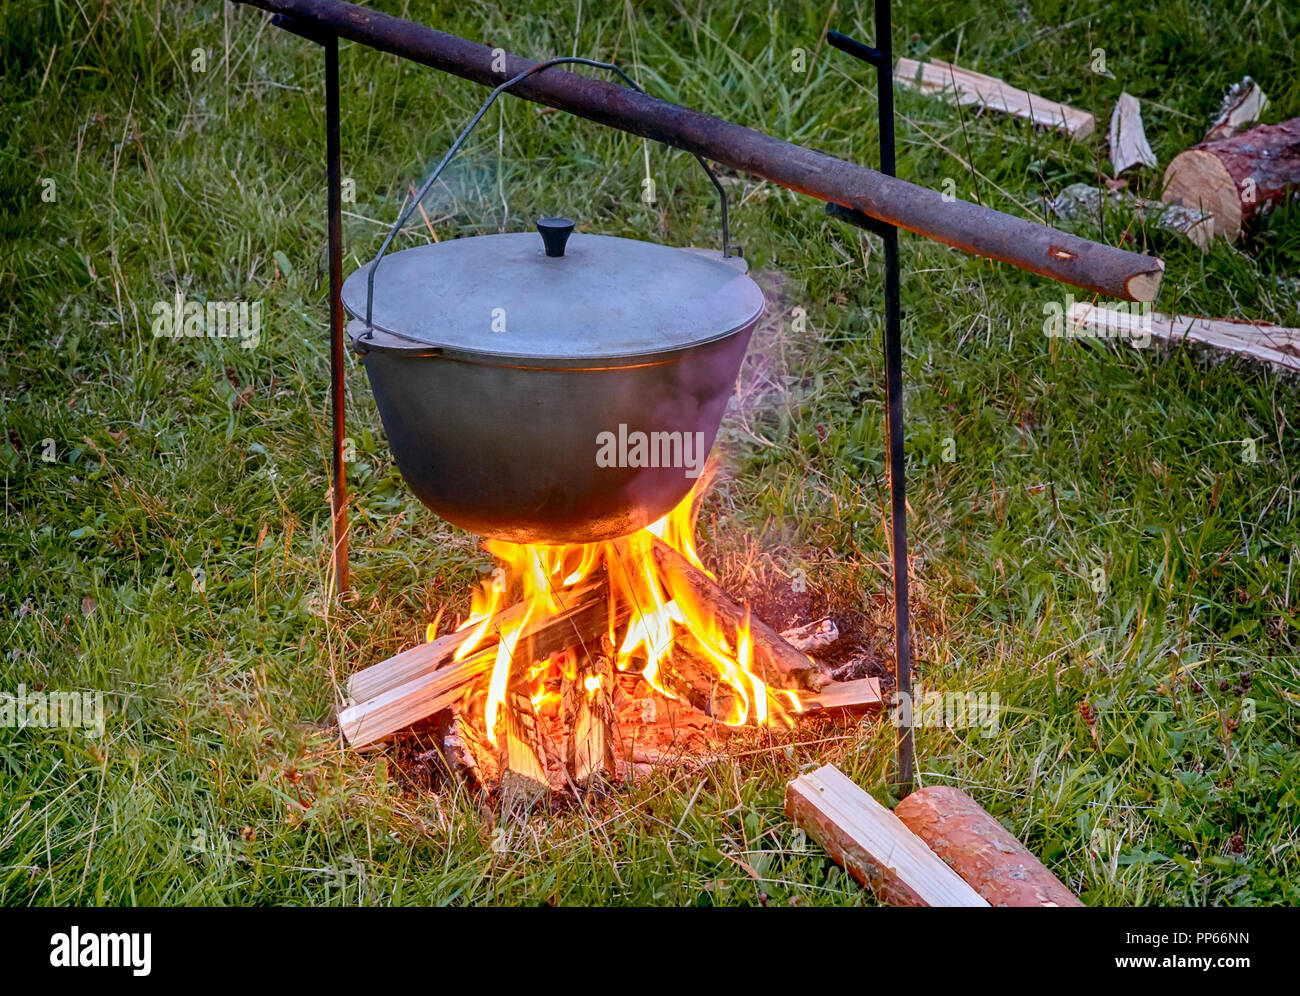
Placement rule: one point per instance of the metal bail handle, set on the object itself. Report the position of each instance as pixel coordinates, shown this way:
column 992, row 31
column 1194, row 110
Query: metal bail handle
column 460, row 140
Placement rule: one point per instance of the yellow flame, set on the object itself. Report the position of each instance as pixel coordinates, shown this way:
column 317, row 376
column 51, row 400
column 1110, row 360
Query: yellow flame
column 660, row 621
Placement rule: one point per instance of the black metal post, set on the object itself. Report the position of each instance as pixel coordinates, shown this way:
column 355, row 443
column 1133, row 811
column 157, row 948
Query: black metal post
column 881, row 56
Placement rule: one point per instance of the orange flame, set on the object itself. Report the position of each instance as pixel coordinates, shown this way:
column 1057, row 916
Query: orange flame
column 659, row 622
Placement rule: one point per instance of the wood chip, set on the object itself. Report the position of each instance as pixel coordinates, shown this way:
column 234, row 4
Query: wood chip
column 1128, row 140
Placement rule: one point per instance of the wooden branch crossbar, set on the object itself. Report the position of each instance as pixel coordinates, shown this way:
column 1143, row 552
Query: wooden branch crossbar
column 962, row 224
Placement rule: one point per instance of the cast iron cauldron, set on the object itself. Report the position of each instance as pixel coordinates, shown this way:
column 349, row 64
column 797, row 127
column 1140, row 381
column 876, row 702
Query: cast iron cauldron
column 514, row 373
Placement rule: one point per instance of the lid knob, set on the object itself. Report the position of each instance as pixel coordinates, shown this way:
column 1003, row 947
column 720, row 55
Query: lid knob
column 555, row 233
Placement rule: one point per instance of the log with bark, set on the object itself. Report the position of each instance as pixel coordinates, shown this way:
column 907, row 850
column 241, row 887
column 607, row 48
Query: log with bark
column 1238, row 178
column 979, row 849
column 774, row 660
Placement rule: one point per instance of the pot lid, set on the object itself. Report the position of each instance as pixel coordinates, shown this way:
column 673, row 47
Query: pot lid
column 580, row 298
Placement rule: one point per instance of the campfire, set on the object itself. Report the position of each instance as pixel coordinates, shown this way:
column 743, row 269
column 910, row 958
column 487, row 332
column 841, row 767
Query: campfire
column 578, row 661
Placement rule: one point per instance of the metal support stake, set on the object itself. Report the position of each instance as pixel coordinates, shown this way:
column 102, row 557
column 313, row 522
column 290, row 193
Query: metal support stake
column 338, row 401
column 882, row 58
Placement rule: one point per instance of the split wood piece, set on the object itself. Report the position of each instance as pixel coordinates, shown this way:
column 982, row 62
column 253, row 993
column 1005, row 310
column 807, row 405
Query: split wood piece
column 687, row 677
column 588, row 712
column 1128, row 139
column 379, row 718
column 979, row 849
column 1263, row 341
column 774, row 660
column 523, row 772
column 860, row 695
column 397, row 708
column 1082, row 200
column 466, row 754
column 872, row 844
column 1237, row 178
column 1242, row 105
column 936, row 76
column 817, row 635
column 428, row 657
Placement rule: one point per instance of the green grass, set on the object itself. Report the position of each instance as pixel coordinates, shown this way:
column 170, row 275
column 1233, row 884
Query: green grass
column 219, row 778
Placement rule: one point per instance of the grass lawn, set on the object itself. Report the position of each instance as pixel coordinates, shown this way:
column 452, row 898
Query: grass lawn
column 1101, row 535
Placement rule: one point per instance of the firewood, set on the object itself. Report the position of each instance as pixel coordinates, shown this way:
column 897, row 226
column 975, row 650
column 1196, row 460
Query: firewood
column 1237, row 178
column 774, row 660
column 979, row 849
column 1128, row 140
column 523, row 772
column 428, row 657
column 589, row 720
column 936, row 77
column 397, row 708
column 1262, row 341
column 1241, row 107
column 815, row 636
column 860, row 695
column 404, row 667
column 466, row 754
column 872, row 844
column 1082, row 200
column 378, row 718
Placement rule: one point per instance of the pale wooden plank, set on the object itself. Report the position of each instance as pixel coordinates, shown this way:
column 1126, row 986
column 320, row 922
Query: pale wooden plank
column 1273, row 344
column 937, row 77
column 873, row 844
column 863, row 693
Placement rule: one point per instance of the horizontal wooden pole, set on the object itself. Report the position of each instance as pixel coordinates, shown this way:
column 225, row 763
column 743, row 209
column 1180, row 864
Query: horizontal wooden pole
column 971, row 227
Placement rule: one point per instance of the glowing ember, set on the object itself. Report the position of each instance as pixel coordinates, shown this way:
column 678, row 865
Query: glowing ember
column 538, row 582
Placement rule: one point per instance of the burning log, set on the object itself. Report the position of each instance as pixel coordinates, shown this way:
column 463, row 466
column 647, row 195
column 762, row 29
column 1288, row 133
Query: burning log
column 774, row 660
column 589, row 721
column 463, row 749
column 523, row 773
column 1237, row 178
column 428, row 657
column 379, row 718
column 398, row 707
